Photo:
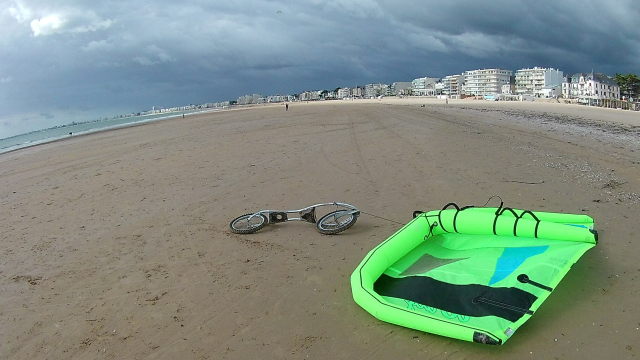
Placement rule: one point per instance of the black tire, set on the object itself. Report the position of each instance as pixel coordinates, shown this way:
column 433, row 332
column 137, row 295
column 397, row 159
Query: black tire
column 336, row 221
column 241, row 224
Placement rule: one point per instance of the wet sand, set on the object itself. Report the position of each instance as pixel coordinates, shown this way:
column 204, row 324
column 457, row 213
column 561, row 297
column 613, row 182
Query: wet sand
column 116, row 244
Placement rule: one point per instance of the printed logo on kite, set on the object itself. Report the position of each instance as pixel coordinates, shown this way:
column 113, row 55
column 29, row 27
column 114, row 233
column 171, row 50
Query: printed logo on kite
column 411, row 305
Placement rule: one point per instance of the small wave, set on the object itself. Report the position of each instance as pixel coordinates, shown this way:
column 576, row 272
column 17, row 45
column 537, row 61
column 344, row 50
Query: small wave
column 53, row 134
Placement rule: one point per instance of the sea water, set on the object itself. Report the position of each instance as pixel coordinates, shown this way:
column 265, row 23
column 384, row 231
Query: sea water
column 65, row 131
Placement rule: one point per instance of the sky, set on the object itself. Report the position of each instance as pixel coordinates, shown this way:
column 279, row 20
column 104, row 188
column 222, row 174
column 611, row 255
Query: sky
column 79, row 60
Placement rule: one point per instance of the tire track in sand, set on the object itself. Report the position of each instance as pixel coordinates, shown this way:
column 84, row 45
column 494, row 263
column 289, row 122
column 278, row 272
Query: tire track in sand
column 356, row 163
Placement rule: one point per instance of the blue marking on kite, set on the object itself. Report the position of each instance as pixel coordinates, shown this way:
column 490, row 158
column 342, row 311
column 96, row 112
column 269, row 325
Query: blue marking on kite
column 511, row 259
column 580, row 226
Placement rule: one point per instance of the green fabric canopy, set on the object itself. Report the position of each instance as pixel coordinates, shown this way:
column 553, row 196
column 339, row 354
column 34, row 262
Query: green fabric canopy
column 474, row 274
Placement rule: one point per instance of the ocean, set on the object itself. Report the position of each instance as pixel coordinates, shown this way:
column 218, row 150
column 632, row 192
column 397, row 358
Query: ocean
column 65, row 131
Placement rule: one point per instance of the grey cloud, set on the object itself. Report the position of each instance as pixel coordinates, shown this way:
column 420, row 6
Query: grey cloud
column 98, row 45
column 49, row 19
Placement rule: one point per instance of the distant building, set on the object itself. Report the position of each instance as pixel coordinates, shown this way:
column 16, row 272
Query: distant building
column 216, row 105
column 279, row 98
column 309, row 95
column 452, row 86
column 551, row 91
column 357, row 92
column 375, row 90
column 331, row 95
column 400, row 88
column 245, row 100
column 533, row 81
column 344, row 93
column 590, row 86
column 439, row 86
column 509, row 89
column 424, row 86
column 486, row 82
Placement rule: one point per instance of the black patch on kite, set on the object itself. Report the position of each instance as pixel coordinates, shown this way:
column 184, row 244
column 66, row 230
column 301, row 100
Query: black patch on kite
column 471, row 300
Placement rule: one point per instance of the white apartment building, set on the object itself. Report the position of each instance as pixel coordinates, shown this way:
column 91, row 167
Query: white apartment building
column 280, row 98
column 452, row 86
column 486, row 82
column 509, row 89
column 533, row 81
column 400, row 88
column 357, row 92
column 438, row 88
column 590, row 86
column 309, row 96
column 551, row 91
column 251, row 99
column 424, row 86
column 375, row 90
column 344, row 93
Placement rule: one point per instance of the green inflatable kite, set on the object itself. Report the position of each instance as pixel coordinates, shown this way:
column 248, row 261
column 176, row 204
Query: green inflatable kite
column 471, row 273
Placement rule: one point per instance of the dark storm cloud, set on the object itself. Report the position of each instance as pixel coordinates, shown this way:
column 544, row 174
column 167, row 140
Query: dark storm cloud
column 80, row 59
column 568, row 33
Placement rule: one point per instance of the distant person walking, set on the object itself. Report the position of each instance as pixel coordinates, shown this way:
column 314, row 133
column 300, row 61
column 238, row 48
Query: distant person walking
column 286, row 107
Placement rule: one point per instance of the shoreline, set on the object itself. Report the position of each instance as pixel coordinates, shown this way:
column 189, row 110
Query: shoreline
column 105, row 129
column 616, row 118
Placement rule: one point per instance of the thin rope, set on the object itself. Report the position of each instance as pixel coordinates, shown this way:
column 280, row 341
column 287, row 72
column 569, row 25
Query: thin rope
column 399, row 223
column 380, row 217
column 485, row 204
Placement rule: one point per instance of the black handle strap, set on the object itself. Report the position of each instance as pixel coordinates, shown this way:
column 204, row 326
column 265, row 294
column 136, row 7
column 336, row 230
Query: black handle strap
column 523, row 278
column 535, row 232
column 455, row 217
column 501, row 211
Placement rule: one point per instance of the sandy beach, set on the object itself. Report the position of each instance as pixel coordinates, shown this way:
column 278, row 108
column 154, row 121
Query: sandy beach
column 117, row 244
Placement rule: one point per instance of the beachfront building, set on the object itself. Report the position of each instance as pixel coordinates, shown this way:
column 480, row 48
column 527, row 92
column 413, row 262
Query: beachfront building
column 329, row 94
column 509, row 89
column 222, row 104
column 251, row 99
column 375, row 90
column 452, row 86
column 191, row 107
column 280, row 98
column 486, row 82
column 424, row 86
column 550, row 92
column 590, row 86
column 400, row 88
column 309, row 95
column 344, row 93
column 244, row 100
column 439, row 86
column 533, row 81
column 357, row 92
